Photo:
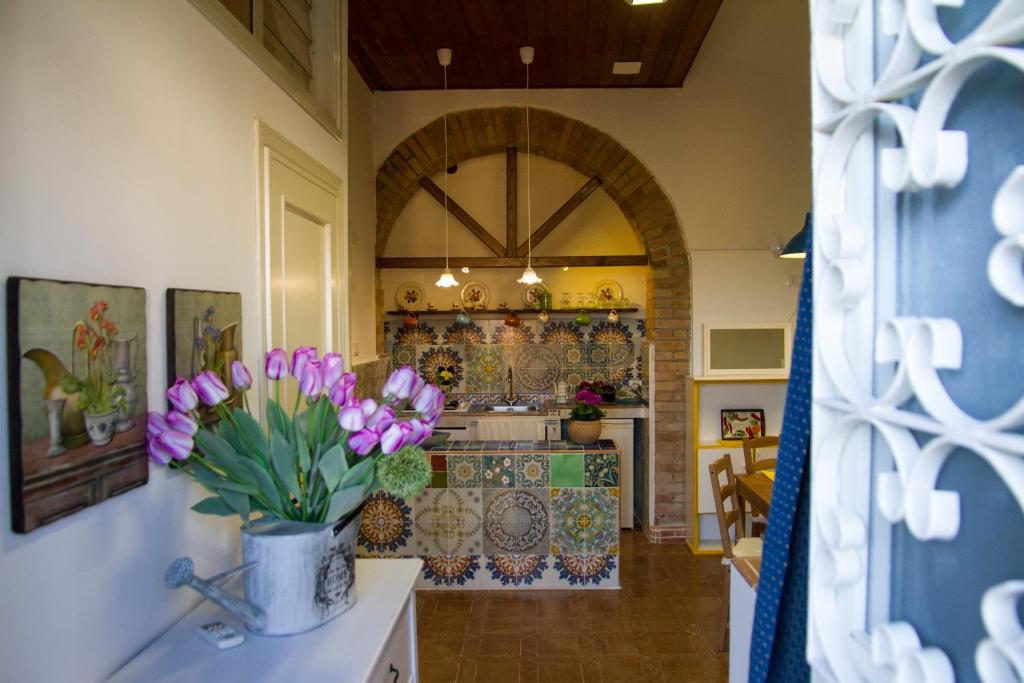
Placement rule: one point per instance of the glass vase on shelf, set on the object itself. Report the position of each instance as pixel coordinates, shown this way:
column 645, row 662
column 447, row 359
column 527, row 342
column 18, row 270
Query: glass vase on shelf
column 565, row 302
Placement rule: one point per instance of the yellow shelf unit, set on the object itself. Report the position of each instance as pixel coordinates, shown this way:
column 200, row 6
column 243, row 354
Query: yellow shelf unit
column 708, row 396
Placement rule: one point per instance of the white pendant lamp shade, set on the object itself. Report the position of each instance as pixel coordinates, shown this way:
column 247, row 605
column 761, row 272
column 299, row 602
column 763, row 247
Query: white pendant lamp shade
column 529, row 276
column 447, row 279
column 444, row 57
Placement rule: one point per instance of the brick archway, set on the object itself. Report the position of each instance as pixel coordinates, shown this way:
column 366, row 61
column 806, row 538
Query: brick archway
column 481, row 132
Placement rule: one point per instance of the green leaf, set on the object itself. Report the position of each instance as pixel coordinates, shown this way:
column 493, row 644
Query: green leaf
column 252, row 433
column 333, row 467
column 303, row 448
column 239, row 503
column 359, row 474
column 266, row 485
column 276, row 418
column 220, row 453
column 214, row 505
column 282, row 456
column 344, row 501
column 227, row 431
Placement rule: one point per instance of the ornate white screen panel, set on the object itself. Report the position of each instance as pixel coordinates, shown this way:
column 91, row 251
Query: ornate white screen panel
column 917, row 536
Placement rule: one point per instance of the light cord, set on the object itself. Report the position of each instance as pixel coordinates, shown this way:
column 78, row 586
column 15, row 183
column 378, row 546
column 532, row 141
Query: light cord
column 529, row 218
column 444, row 171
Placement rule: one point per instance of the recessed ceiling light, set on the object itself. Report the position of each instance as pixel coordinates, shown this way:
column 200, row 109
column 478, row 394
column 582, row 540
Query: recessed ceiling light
column 644, row 2
column 626, row 68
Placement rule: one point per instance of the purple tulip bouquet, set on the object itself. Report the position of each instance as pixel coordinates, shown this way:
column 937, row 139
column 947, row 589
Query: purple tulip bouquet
column 316, row 465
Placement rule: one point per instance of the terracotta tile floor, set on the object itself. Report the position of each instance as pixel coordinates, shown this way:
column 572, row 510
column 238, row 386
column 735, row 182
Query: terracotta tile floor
column 661, row 626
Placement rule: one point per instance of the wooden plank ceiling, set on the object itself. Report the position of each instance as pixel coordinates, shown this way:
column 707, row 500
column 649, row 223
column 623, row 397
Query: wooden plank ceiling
column 393, row 43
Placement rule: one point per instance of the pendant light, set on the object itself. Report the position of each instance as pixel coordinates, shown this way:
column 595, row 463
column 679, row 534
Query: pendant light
column 530, row 276
column 797, row 245
column 444, row 56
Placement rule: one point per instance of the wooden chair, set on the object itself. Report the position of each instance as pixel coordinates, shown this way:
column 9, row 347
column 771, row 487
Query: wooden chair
column 758, row 524
column 743, row 546
column 750, row 447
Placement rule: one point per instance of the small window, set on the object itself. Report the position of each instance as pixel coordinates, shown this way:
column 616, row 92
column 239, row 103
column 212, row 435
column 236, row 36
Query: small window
column 295, row 42
column 758, row 349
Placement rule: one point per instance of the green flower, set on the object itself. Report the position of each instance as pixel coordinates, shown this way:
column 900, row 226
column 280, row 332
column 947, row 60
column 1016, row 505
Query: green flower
column 405, row 472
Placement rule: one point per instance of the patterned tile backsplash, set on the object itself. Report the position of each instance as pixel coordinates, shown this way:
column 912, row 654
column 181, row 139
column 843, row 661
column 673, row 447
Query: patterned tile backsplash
column 480, row 354
column 506, row 517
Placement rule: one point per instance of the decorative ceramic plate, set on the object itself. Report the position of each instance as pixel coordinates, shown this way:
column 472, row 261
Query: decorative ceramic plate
column 531, row 296
column 607, row 293
column 410, row 297
column 475, row 295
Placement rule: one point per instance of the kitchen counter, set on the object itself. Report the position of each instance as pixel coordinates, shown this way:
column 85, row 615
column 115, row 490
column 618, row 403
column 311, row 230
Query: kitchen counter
column 632, row 409
column 506, row 514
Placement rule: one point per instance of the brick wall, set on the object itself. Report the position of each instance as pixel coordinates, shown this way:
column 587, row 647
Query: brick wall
column 479, row 132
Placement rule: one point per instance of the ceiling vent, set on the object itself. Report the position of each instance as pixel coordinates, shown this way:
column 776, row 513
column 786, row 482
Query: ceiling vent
column 626, row 68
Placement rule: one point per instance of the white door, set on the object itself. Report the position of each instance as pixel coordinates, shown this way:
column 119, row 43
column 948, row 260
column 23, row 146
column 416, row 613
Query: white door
column 917, row 450
column 302, row 250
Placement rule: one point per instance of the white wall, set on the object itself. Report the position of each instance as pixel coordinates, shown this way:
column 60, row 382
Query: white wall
column 731, row 148
column 126, row 157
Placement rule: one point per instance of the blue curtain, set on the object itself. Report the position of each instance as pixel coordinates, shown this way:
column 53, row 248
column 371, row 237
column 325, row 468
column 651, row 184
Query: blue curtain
column 777, row 650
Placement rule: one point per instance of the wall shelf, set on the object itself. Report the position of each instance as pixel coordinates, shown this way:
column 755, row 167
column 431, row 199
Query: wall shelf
column 518, row 311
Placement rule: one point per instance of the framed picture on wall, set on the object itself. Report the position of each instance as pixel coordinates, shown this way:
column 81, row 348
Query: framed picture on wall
column 204, row 332
column 742, row 423
column 76, row 368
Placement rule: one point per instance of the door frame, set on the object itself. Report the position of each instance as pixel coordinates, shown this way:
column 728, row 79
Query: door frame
column 272, row 145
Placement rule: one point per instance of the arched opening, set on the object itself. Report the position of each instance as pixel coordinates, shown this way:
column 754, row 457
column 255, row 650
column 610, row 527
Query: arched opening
column 481, row 132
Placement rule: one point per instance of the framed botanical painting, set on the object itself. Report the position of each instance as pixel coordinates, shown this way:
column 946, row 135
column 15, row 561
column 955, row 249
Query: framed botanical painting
column 742, row 423
column 204, row 332
column 76, row 367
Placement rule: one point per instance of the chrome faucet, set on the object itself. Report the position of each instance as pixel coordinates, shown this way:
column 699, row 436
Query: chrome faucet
column 510, row 399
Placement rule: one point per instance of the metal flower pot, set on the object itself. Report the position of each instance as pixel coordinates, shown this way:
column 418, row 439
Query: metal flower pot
column 305, row 573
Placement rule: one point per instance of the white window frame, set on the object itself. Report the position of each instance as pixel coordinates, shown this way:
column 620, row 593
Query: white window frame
column 329, row 23
column 857, row 336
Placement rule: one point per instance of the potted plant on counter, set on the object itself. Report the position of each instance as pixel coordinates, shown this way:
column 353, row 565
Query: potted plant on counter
column 305, row 474
column 585, row 418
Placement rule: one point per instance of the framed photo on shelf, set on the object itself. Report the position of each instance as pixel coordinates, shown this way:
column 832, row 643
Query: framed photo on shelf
column 742, row 423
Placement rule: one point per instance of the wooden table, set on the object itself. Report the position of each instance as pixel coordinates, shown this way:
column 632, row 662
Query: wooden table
column 755, row 489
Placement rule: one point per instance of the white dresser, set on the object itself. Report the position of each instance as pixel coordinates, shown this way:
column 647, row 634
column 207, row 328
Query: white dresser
column 373, row 642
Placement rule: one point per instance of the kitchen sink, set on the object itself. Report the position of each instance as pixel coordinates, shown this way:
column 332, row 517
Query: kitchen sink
column 499, row 408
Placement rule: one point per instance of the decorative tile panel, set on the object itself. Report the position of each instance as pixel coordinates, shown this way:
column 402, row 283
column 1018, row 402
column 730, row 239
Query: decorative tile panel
column 601, row 469
column 449, row 570
column 583, row 570
column 515, row 521
column 447, row 521
column 467, row 334
column 386, row 525
column 584, row 521
column 465, row 471
column 536, row 368
column 567, row 469
column 533, row 470
column 487, row 369
column 523, row 334
column 517, row 570
column 498, row 471
column 422, row 334
column 432, row 359
column 561, row 332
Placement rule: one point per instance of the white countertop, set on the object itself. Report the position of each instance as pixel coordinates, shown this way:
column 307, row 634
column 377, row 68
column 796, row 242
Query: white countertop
column 344, row 649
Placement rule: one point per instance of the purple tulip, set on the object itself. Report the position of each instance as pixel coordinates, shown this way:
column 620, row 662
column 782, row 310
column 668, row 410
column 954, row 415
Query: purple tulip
column 393, row 438
column 342, row 390
column 182, row 396
column 427, row 399
column 331, row 367
column 400, row 384
column 167, row 445
column 182, row 422
column 209, row 388
column 240, row 376
column 300, row 357
column 276, row 365
column 381, row 419
column 311, row 382
column 156, row 423
column 418, row 431
column 368, row 406
column 351, row 419
column 364, row 441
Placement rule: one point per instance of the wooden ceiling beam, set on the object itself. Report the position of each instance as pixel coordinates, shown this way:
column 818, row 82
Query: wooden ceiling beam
column 560, row 215
column 463, row 217
column 511, row 200
column 510, row 262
